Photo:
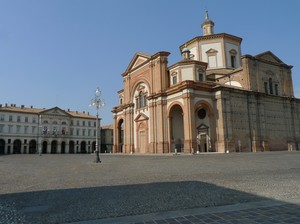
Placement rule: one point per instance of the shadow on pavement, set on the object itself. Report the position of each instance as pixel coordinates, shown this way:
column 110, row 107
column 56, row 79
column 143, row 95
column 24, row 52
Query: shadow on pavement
column 71, row 205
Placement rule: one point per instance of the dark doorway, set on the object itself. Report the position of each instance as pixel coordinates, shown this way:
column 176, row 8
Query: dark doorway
column 17, row 147
column 53, row 147
column 71, row 147
column 2, row 146
column 63, row 147
column 32, row 147
column 45, row 145
column 83, row 147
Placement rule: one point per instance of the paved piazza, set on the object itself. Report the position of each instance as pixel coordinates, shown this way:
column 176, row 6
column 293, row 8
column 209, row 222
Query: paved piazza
column 205, row 188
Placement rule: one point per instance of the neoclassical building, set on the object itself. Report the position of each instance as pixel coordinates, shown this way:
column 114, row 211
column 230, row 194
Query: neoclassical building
column 214, row 100
column 30, row 130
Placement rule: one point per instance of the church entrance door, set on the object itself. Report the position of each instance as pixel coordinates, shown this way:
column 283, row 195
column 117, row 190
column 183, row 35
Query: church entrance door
column 142, row 141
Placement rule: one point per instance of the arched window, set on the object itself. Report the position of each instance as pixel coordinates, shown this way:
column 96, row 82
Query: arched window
column 141, row 100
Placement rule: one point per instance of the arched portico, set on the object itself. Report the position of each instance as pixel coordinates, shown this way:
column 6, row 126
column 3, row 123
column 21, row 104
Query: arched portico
column 120, row 136
column 176, row 128
column 83, row 147
column 54, row 147
column 17, row 146
column 2, row 146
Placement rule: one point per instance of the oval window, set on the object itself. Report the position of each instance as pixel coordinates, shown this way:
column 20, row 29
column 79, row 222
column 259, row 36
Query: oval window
column 201, row 113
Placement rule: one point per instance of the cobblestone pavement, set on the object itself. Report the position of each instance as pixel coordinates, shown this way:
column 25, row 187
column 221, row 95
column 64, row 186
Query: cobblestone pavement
column 275, row 214
column 265, row 212
column 139, row 189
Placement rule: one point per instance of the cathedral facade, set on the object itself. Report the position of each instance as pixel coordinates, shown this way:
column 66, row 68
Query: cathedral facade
column 214, row 100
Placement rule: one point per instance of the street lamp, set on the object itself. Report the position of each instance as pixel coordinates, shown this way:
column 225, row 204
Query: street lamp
column 97, row 102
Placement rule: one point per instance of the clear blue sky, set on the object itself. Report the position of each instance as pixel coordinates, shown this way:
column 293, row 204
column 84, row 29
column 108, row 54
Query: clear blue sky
column 56, row 52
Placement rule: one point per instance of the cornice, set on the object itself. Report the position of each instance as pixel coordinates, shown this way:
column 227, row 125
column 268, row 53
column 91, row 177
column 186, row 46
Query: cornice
column 211, row 37
column 122, row 107
column 253, row 58
column 153, row 57
column 188, row 62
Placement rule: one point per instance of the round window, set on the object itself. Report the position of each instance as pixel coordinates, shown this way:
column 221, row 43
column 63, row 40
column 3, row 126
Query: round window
column 201, row 113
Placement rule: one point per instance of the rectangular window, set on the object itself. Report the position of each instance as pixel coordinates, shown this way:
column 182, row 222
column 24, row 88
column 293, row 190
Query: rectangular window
column 212, row 61
column 271, row 86
column 276, row 90
column 83, row 132
column 19, row 119
column 200, row 76
column 25, row 129
column 89, row 123
column 1, row 128
column 83, row 123
column 33, row 128
column 10, row 118
column 89, row 132
column 33, row 120
column 266, row 87
column 26, row 119
column 77, row 132
column 18, row 128
column 174, row 79
column 232, row 61
column 2, row 117
column 10, row 128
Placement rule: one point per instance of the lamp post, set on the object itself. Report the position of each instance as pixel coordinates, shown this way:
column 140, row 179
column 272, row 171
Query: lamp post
column 97, row 102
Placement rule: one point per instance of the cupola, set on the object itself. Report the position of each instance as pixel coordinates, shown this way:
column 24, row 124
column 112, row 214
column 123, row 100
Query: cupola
column 208, row 25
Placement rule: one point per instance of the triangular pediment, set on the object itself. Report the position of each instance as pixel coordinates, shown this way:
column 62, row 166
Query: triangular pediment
column 55, row 111
column 211, row 51
column 141, row 117
column 269, row 56
column 137, row 60
column 202, row 127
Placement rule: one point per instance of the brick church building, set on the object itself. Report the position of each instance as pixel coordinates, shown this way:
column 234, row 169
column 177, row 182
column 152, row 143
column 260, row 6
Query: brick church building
column 213, row 100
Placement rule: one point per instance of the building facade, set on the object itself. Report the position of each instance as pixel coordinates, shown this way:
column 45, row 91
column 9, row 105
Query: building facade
column 29, row 130
column 107, row 139
column 214, row 100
